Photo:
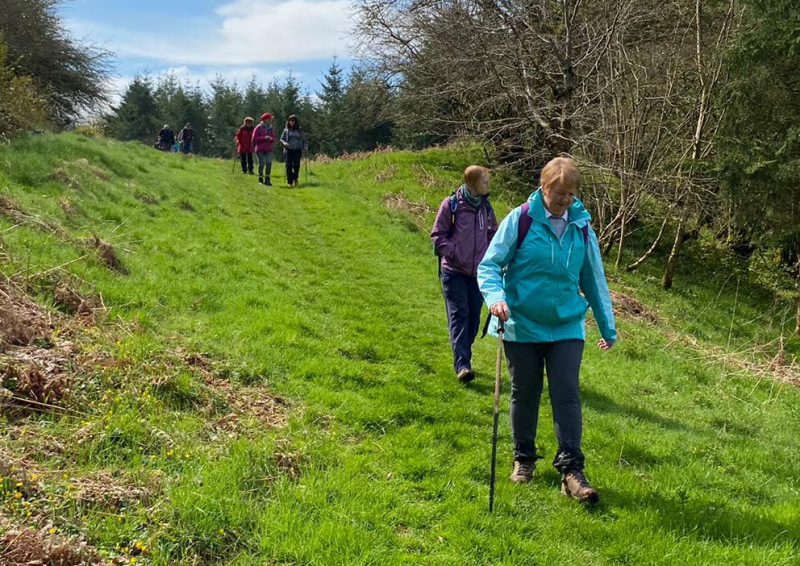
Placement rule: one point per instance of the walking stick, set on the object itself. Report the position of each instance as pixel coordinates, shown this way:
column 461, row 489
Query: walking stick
column 498, row 369
column 305, row 182
column 233, row 169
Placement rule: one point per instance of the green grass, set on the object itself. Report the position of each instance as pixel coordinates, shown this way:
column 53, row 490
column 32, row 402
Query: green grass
column 328, row 298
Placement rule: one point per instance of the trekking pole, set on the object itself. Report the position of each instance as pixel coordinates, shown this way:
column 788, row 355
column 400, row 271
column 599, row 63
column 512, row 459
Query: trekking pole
column 305, row 182
column 498, row 368
column 233, row 169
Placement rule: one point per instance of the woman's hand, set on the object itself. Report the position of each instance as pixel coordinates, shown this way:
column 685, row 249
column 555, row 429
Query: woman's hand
column 604, row 345
column 500, row 310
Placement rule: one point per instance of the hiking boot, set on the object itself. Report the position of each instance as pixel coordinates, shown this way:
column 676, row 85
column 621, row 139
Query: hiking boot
column 523, row 471
column 260, row 181
column 575, row 485
column 466, row 375
column 268, row 183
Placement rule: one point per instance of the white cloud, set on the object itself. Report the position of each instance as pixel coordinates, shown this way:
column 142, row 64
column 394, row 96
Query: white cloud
column 249, row 32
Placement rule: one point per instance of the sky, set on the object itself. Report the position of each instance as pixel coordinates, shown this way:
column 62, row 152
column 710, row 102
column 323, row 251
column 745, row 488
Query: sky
column 199, row 39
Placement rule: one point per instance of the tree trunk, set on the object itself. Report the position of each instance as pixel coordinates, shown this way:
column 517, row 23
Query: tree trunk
column 623, row 203
column 621, row 245
column 797, row 315
column 635, row 265
column 669, row 273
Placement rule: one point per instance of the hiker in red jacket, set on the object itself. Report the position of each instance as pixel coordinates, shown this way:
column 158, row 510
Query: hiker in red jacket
column 244, row 145
column 263, row 139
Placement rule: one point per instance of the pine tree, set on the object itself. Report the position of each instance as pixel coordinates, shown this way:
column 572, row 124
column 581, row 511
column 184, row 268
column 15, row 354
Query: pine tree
column 255, row 100
column 332, row 127
column 224, row 117
column 135, row 117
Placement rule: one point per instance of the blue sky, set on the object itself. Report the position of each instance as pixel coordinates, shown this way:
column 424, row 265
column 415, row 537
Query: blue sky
column 198, row 39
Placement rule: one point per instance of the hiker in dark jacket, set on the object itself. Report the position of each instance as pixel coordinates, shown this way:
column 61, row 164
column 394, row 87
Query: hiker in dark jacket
column 244, row 145
column 464, row 226
column 294, row 142
column 186, row 139
column 544, row 252
column 166, row 138
column 263, row 139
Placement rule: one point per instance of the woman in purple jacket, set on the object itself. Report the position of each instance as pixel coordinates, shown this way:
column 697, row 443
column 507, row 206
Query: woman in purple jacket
column 461, row 234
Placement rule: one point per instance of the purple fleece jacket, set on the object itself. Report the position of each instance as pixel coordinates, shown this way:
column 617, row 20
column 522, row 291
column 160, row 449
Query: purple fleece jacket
column 463, row 247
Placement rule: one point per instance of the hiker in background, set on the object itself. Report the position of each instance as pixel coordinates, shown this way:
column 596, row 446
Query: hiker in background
column 263, row 139
column 294, row 142
column 244, row 145
column 543, row 253
column 186, row 139
column 464, row 226
column 166, row 138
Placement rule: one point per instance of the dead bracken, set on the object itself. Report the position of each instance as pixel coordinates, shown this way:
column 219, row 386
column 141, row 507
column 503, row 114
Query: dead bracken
column 21, row 320
column 107, row 255
column 73, row 302
column 629, row 307
column 22, row 546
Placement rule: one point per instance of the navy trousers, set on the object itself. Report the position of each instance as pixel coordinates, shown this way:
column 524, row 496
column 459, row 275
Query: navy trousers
column 526, row 365
column 462, row 302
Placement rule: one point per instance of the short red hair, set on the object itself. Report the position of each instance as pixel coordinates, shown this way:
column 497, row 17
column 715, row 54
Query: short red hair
column 474, row 173
column 562, row 170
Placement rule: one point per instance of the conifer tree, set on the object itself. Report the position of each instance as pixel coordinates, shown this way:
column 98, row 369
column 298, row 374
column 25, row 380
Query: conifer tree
column 135, row 117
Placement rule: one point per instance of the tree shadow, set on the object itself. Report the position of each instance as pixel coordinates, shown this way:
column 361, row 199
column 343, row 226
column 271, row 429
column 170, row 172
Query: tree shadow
column 709, row 519
column 605, row 404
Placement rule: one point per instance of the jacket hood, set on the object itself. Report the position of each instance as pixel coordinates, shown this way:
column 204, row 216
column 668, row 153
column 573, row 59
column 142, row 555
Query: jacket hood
column 575, row 213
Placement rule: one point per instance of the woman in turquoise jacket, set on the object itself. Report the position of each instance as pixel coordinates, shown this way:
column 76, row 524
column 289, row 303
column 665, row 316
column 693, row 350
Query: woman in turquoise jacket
column 530, row 278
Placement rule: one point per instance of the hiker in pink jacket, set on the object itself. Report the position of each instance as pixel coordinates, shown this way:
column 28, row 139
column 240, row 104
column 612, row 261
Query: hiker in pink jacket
column 263, row 139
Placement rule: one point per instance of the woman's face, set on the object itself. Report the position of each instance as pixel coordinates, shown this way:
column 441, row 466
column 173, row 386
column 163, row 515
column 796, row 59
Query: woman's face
column 557, row 197
column 292, row 121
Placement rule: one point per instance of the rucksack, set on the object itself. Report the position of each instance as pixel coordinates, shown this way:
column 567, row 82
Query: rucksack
column 454, row 207
column 453, row 203
column 525, row 225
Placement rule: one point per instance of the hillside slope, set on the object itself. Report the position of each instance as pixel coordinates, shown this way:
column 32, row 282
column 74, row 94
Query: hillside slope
column 222, row 373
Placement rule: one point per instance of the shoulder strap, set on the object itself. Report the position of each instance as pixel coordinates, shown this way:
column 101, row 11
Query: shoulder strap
column 524, row 224
column 453, row 200
column 489, row 209
column 585, row 230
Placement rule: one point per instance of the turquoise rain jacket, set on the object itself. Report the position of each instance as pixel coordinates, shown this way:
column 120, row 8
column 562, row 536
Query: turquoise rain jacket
column 540, row 280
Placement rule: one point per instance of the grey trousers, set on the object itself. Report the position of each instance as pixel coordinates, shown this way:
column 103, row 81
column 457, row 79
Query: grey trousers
column 526, row 364
column 264, row 163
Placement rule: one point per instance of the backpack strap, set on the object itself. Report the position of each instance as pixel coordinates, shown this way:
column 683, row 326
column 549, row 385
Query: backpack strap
column 524, row 224
column 453, row 208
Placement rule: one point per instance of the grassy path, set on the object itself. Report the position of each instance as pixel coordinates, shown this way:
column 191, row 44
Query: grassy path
column 323, row 296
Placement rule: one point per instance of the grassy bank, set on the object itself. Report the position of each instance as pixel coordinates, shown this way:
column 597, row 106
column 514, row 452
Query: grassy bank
column 265, row 378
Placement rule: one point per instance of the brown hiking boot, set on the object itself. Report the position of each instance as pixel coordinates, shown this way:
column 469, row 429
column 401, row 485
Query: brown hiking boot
column 575, row 485
column 466, row 375
column 523, row 471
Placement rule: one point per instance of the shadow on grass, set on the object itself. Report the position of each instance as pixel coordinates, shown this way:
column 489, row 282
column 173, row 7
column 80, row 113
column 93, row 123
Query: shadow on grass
column 701, row 518
column 605, row 404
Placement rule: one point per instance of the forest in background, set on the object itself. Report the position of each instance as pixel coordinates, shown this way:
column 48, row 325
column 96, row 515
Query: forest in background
column 685, row 114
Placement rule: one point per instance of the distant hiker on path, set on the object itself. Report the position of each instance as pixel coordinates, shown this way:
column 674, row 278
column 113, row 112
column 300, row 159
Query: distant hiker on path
column 549, row 251
column 244, row 145
column 166, row 138
column 263, row 139
column 294, row 141
column 186, row 139
column 464, row 226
